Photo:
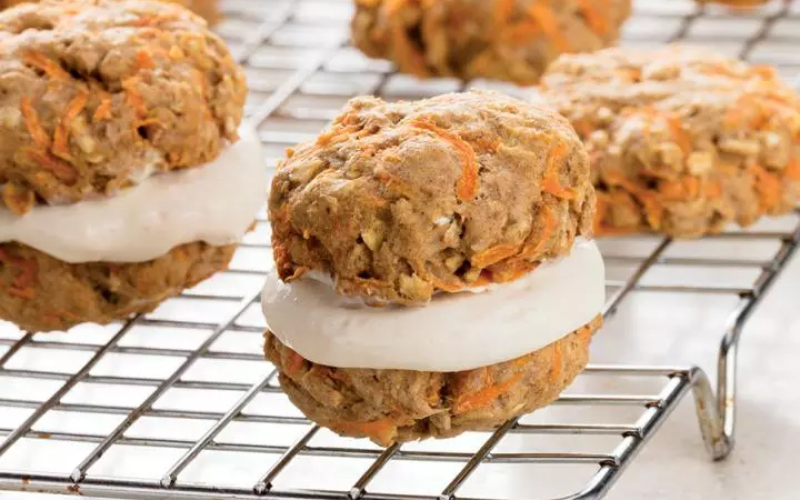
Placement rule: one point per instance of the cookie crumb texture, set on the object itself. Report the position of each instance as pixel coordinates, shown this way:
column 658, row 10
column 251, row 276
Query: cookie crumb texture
column 208, row 9
column 510, row 40
column 399, row 200
column 390, row 406
column 41, row 293
column 95, row 95
column 682, row 141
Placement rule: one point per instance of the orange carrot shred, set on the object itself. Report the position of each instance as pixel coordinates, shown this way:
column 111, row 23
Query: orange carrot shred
column 45, row 65
column 596, row 21
column 60, row 169
column 767, row 185
column 543, row 15
column 133, row 96
column 682, row 138
column 549, row 221
column 381, row 430
column 33, row 124
column 793, row 170
column 550, row 182
column 555, row 371
column 144, row 60
column 485, row 396
column 502, row 11
column 103, row 111
column 468, row 185
column 294, row 363
column 493, row 255
column 61, row 138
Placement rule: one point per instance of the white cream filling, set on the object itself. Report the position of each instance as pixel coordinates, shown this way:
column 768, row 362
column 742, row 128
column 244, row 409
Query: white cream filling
column 454, row 332
column 215, row 203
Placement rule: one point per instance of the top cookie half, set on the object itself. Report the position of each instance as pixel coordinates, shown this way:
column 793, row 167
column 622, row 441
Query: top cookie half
column 682, row 140
column 511, row 40
column 95, row 95
column 397, row 201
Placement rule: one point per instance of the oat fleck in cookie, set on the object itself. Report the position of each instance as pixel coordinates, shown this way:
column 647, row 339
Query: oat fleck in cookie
column 119, row 122
column 510, row 40
column 464, row 217
column 683, row 141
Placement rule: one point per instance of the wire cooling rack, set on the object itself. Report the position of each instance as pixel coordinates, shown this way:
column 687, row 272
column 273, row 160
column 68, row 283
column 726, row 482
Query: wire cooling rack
column 180, row 404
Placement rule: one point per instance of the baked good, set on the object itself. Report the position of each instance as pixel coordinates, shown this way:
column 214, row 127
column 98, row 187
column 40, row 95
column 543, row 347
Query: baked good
column 510, row 40
column 208, row 9
column 683, row 141
column 427, row 256
column 118, row 125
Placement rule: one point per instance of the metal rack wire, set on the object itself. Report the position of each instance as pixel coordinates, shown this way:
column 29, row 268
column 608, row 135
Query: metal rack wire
column 203, row 346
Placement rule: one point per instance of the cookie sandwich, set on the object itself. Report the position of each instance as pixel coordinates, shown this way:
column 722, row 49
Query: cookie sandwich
column 126, row 173
column 433, row 269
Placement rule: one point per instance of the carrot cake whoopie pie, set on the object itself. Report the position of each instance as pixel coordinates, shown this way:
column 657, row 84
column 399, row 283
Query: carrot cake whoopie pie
column 126, row 176
column 208, row 9
column 682, row 141
column 510, row 40
column 433, row 274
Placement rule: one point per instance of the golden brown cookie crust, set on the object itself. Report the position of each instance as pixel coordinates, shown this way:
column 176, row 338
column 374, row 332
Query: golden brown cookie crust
column 41, row 293
column 390, row 406
column 682, row 141
column 511, row 40
column 397, row 201
column 96, row 93
column 208, row 9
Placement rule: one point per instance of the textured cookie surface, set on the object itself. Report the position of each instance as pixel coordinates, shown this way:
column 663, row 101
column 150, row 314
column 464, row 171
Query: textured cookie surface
column 682, row 141
column 511, row 40
column 396, row 201
column 95, row 95
column 209, row 9
column 397, row 405
column 40, row 293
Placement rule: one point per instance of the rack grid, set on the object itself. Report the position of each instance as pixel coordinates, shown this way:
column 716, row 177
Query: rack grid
column 154, row 386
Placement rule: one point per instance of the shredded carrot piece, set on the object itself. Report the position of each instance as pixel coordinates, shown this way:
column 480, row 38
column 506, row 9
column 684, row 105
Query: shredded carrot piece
column 550, row 182
column 793, row 170
column 511, row 270
column 764, row 71
column 133, row 96
column 685, row 189
column 446, row 286
column 596, row 21
column 22, row 284
column 682, row 138
column 61, row 138
column 45, row 65
column 144, row 60
column 543, row 15
column 502, row 11
column 713, row 189
column 103, row 111
column 33, row 124
column 493, row 255
column 485, row 396
column 468, row 185
column 60, row 169
column 520, row 33
column 382, row 430
column 294, row 363
column 549, row 222
column 767, row 185
column 555, row 371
